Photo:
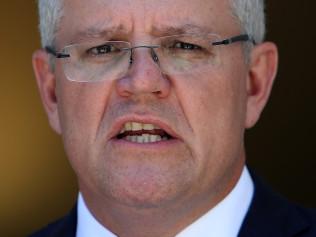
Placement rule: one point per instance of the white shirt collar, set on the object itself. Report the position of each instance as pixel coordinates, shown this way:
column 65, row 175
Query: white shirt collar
column 87, row 225
column 224, row 220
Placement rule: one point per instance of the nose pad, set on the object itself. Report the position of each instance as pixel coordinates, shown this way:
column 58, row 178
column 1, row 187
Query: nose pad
column 144, row 76
column 153, row 54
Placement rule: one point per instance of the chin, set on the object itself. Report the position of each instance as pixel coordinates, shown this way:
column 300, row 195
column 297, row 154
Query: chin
column 148, row 188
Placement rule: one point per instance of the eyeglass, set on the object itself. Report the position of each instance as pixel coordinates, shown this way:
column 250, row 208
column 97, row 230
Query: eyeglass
column 176, row 54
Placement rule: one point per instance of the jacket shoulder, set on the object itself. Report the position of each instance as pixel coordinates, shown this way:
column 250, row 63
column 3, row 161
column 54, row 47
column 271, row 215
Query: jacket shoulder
column 64, row 227
column 310, row 217
column 272, row 215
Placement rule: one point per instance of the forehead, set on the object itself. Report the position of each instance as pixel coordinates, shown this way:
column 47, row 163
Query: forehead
column 126, row 18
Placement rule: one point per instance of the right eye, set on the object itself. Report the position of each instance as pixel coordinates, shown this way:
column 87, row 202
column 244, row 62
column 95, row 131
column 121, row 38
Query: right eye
column 102, row 49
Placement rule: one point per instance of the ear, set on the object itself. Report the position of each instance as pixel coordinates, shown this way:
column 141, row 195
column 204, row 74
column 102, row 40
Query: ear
column 262, row 72
column 46, row 82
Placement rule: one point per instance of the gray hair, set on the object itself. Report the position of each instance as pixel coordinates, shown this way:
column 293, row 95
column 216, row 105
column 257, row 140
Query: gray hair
column 249, row 14
column 50, row 14
column 251, row 17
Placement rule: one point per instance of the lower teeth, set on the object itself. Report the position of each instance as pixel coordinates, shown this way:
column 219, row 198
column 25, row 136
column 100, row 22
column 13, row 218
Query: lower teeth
column 146, row 138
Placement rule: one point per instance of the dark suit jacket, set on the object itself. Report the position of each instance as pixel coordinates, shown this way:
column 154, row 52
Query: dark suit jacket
column 269, row 216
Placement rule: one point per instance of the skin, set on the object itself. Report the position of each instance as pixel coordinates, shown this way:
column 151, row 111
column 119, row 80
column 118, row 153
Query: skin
column 158, row 189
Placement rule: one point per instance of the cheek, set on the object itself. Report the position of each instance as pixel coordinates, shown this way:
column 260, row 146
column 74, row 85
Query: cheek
column 81, row 107
column 214, row 105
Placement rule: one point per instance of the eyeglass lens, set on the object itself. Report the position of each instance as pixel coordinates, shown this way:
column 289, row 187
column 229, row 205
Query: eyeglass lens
column 180, row 54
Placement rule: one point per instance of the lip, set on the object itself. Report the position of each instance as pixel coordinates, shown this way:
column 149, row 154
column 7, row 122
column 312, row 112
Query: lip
column 119, row 123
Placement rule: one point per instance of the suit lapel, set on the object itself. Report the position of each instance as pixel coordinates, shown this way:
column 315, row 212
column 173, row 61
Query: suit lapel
column 65, row 227
column 271, row 215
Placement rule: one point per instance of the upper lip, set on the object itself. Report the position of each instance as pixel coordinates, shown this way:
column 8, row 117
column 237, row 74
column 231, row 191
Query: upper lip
column 119, row 124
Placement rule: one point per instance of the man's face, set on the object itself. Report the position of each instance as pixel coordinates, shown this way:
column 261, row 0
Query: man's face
column 204, row 113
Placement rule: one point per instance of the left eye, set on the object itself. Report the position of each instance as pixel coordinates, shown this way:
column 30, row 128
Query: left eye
column 102, row 49
column 186, row 46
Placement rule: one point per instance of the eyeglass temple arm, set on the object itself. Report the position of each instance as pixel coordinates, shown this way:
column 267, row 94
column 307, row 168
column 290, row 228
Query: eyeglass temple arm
column 244, row 37
column 52, row 51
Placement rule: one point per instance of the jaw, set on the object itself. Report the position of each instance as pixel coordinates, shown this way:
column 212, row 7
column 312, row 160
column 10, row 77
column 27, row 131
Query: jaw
column 139, row 211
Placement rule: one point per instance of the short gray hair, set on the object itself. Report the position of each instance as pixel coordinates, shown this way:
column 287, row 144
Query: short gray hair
column 251, row 17
column 50, row 14
column 249, row 14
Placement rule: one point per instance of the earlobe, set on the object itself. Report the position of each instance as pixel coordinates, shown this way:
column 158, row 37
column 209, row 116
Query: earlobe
column 46, row 83
column 262, row 72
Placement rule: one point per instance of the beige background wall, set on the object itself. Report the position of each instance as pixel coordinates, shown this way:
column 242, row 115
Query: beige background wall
column 36, row 182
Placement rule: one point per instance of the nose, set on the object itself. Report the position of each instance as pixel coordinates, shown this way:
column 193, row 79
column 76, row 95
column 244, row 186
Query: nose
column 144, row 76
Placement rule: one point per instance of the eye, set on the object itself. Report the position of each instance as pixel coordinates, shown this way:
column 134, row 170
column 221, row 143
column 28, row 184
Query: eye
column 102, row 49
column 186, row 46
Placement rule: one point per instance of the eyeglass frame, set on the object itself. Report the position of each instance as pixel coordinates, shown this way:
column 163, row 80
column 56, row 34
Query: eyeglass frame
column 62, row 55
column 238, row 38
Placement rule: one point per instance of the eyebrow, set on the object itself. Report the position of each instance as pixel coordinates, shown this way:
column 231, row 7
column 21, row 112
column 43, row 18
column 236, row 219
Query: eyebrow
column 97, row 32
column 182, row 29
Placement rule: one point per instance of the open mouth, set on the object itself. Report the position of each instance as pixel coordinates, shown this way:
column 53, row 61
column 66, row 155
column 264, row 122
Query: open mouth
column 143, row 133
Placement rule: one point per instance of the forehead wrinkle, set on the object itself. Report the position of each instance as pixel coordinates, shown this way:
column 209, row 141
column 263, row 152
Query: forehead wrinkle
column 100, row 31
column 187, row 28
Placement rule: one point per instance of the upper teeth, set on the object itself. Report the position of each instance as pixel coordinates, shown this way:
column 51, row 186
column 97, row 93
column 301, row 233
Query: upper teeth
column 133, row 126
